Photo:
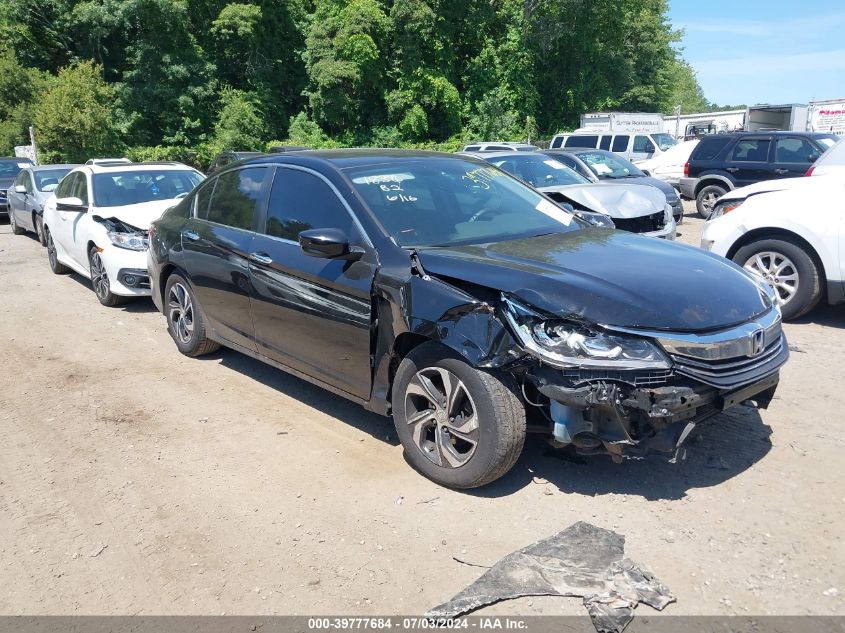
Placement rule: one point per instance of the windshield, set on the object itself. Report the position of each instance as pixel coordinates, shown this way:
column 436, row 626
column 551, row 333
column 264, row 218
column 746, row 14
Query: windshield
column 445, row 202
column 611, row 166
column 9, row 169
column 664, row 141
column 47, row 180
column 539, row 170
column 120, row 188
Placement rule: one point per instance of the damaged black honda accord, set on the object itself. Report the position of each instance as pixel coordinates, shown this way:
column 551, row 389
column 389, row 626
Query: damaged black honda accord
column 444, row 292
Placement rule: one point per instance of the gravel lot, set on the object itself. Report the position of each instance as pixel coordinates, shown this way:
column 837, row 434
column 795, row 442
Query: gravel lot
column 134, row 480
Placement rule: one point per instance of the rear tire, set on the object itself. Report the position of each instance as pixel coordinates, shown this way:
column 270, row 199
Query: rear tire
column 38, row 223
column 705, row 201
column 789, row 269
column 460, row 426
column 185, row 320
column 56, row 266
column 16, row 230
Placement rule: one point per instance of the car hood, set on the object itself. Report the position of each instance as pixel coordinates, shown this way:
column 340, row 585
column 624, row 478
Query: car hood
column 608, row 277
column 138, row 215
column 618, row 200
column 667, row 189
column 781, row 184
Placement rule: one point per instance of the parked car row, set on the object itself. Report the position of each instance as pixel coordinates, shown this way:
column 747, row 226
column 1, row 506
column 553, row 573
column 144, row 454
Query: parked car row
column 436, row 289
column 790, row 232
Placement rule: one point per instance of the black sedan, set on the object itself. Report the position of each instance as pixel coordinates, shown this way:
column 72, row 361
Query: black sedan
column 599, row 165
column 440, row 290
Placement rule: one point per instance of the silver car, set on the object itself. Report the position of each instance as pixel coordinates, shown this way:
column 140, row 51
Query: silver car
column 28, row 193
column 633, row 207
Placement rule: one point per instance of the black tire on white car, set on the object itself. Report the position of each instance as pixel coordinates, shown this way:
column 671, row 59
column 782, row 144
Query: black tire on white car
column 460, row 426
column 186, row 322
column 789, row 269
column 38, row 223
column 56, row 266
column 100, row 280
column 705, row 201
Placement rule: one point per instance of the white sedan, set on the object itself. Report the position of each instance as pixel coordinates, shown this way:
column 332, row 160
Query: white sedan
column 792, row 235
column 97, row 222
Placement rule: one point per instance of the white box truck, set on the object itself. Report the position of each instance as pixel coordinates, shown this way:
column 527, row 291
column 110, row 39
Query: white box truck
column 637, row 122
column 791, row 117
column 827, row 116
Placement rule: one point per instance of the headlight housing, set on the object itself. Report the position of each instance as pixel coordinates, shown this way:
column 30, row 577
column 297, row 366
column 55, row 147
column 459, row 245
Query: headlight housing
column 566, row 344
column 722, row 208
column 130, row 241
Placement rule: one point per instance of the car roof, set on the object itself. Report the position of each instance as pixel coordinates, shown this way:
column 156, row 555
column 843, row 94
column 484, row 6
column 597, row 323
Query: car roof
column 353, row 157
column 768, row 132
column 104, row 168
column 501, row 154
column 15, row 159
column 49, row 167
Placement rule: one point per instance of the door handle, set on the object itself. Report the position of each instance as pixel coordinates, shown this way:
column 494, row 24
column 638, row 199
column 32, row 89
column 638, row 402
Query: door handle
column 780, row 172
column 261, row 258
column 191, row 235
column 732, row 169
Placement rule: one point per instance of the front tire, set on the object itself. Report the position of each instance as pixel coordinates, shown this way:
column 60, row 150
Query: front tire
column 100, row 280
column 16, row 230
column 56, row 266
column 185, row 321
column 460, row 426
column 705, row 201
column 789, row 269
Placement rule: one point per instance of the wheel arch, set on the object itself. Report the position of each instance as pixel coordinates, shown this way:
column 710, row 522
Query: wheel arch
column 712, row 179
column 766, row 233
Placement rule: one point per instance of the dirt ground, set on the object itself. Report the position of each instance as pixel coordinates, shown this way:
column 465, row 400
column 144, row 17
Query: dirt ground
column 134, row 480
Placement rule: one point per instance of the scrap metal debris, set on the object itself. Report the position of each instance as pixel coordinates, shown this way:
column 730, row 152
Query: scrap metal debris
column 581, row 561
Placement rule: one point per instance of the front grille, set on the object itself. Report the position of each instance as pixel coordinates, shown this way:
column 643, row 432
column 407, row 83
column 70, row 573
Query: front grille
column 734, row 372
column 638, row 378
column 644, row 224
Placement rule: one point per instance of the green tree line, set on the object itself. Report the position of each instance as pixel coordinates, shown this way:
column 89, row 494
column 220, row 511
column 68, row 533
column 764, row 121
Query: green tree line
column 182, row 79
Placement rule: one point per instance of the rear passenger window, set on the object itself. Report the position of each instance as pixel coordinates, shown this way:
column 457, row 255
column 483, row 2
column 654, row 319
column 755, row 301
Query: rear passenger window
column 709, row 148
column 752, row 150
column 300, row 201
column 472, row 148
column 236, row 196
column 80, row 188
column 557, row 141
column 582, row 141
column 794, row 150
column 620, row 144
column 605, row 142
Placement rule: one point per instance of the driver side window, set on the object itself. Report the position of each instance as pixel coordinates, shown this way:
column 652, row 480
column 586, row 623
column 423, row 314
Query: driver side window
column 80, row 188
column 300, row 201
column 66, row 186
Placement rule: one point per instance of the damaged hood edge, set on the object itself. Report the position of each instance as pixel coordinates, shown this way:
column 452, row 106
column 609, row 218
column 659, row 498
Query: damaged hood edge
column 617, row 200
column 140, row 216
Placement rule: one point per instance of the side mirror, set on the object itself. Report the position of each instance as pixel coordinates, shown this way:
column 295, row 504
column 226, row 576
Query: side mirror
column 71, row 204
column 20, row 189
column 812, row 158
column 328, row 244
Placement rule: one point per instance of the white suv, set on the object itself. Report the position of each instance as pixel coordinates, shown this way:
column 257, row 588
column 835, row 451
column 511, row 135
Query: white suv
column 96, row 222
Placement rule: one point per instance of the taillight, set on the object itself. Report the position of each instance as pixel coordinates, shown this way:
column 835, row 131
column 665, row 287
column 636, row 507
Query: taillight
column 810, row 171
column 686, row 169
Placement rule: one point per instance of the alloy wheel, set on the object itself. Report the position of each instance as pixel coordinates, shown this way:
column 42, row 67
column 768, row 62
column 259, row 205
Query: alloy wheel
column 709, row 201
column 99, row 277
column 442, row 416
column 778, row 271
column 180, row 313
column 51, row 251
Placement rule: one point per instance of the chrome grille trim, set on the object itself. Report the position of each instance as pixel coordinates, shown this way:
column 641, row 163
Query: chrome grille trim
column 727, row 369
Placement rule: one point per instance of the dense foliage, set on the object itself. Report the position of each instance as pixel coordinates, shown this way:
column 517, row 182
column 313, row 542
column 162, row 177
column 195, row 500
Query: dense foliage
column 184, row 78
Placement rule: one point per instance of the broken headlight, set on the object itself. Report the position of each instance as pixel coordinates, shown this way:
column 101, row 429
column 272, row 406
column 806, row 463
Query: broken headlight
column 130, row 241
column 564, row 344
